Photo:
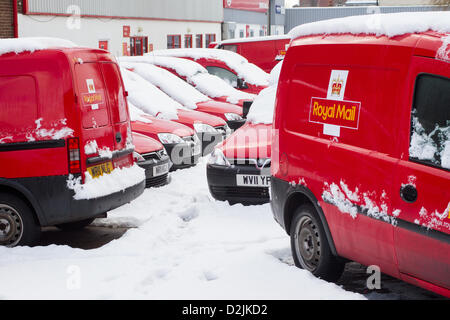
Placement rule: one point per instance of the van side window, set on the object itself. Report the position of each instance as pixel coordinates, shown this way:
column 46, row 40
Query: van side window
column 18, row 106
column 229, row 47
column 430, row 127
column 224, row 74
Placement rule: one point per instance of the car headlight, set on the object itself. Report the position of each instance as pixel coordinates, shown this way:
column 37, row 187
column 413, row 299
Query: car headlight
column 233, row 117
column 204, row 128
column 218, row 158
column 169, row 138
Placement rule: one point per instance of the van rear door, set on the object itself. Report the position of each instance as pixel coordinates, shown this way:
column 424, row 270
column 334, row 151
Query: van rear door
column 95, row 113
column 119, row 113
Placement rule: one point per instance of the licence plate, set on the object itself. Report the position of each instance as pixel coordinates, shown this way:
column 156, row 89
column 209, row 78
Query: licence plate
column 160, row 170
column 100, row 169
column 243, row 180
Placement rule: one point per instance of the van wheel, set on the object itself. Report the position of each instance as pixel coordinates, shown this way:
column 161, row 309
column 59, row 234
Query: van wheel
column 77, row 225
column 18, row 226
column 310, row 247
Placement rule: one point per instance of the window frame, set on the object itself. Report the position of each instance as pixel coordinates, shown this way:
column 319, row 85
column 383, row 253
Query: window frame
column 209, row 38
column 173, row 37
column 197, row 37
column 188, row 40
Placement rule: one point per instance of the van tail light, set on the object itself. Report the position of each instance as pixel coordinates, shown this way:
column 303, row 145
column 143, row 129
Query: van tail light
column 73, row 148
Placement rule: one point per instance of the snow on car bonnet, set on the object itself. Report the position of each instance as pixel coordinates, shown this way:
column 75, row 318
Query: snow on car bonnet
column 263, row 107
column 32, row 44
column 148, row 98
column 389, row 24
column 206, row 83
column 176, row 88
column 183, row 67
column 251, row 73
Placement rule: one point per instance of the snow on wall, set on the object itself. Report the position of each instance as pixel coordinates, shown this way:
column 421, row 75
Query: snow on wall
column 118, row 180
column 388, row 24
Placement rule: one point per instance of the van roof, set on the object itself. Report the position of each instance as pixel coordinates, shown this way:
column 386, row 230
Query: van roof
column 32, row 44
column 428, row 44
column 388, row 24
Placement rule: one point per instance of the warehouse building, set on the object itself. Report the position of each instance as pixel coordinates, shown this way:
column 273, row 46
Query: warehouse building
column 250, row 18
column 129, row 27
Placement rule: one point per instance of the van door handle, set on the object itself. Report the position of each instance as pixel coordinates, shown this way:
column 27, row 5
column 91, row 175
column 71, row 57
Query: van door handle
column 408, row 193
column 118, row 137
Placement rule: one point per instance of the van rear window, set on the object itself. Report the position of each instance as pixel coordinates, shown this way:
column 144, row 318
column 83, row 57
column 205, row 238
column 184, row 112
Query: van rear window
column 115, row 92
column 430, row 128
column 18, row 104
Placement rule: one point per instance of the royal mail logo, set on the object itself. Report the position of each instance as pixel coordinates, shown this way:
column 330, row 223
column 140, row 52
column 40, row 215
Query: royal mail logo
column 336, row 87
column 340, row 113
column 92, row 98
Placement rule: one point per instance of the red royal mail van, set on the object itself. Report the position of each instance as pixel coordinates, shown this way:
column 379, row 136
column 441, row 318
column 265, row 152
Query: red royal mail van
column 265, row 52
column 66, row 149
column 363, row 150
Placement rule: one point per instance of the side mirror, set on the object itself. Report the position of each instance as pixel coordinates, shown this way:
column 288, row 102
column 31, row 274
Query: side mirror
column 241, row 84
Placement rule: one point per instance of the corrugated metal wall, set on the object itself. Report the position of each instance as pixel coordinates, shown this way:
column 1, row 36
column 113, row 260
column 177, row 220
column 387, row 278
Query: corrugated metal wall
column 298, row 16
column 203, row 10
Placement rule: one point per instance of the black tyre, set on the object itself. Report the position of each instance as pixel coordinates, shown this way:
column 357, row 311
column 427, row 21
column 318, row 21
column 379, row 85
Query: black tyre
column 18, row 226
column 77, row 225
column 310, row 247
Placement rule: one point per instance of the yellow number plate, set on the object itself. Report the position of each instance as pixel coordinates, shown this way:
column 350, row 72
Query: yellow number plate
column 99, row 170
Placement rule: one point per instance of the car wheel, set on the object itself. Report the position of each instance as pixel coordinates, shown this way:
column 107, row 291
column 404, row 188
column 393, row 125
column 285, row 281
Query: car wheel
column 18, row 226
column 310, row 247
column 77, row 225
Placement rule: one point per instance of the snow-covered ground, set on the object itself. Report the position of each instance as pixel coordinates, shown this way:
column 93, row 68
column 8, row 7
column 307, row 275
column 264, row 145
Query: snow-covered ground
column 184, row 245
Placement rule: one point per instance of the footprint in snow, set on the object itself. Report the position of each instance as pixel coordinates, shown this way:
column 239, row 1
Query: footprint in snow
column 284, row 255
column 188, row 214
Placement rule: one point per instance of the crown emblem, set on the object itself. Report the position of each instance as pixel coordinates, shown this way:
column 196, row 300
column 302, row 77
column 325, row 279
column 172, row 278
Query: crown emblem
column 337, row 86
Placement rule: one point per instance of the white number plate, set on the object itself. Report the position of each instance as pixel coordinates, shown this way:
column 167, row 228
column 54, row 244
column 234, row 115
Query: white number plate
column 160, row 170
column 243, row 180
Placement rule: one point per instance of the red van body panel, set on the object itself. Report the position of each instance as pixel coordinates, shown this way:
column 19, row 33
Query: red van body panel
column 144, row 144
column 48, row 97
column 353, row 168
column 265, row 53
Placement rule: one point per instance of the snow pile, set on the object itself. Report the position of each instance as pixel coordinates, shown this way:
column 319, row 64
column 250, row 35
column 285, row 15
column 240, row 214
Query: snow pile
column 32, row 44
column 90, row 147
column 251, row 73
column 187, row 246
column 172, row 85
column 137, row 114
column 443, row 52
column 118, row 180
column 263, row 106
column 433, row 147
column 388, row 24
column 148, row 98
column 195, row 74
column 55, row 131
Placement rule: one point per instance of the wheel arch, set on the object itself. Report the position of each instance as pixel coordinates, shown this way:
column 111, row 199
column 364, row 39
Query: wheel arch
column 301, row 196
column 23, row 193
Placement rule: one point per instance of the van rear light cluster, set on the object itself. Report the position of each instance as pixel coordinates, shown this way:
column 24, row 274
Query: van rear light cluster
column 73, row 146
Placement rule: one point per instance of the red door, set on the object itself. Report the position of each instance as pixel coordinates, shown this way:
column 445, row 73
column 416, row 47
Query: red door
column 422, row 238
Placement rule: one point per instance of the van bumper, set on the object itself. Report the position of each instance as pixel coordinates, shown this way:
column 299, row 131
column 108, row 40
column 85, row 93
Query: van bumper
column 183, row 155
column 152, row 178
column 223, row 186
column 279, row 191
column 56, row 205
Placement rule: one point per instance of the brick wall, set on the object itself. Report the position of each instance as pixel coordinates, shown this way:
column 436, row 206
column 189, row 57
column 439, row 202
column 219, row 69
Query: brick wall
column 6, row 19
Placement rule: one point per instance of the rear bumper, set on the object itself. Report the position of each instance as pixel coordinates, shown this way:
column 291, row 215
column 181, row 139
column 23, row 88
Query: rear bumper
column 222, row 183
column 183, row 155
column 153, row 179
column 55, row 203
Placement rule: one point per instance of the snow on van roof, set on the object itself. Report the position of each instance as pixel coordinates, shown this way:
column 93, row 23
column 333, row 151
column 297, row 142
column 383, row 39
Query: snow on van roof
column 183, row 67
column 206, row 83
column 254, row 39
column 387, row 24
column 245, row 70
column 148, row 98
column 263, row 106
column 172, row 85
column 33, row 44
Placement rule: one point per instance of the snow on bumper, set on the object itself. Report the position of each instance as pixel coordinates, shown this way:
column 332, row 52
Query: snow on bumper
column 118, row 180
